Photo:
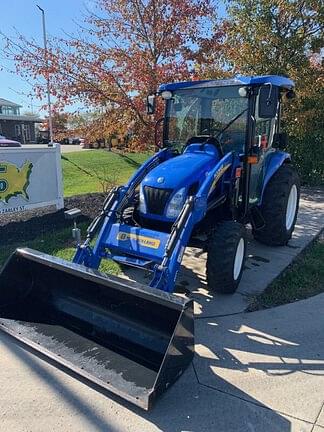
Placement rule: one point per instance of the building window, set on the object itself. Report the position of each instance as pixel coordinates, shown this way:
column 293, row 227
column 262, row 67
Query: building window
column 26, row 130
column 8, row 110
column 17, row 130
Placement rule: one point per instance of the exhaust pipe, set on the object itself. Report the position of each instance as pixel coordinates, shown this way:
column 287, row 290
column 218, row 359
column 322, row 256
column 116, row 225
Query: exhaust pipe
column 127, row 338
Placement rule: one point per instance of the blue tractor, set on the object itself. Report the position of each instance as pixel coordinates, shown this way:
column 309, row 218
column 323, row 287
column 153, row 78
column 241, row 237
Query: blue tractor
column 221, row 166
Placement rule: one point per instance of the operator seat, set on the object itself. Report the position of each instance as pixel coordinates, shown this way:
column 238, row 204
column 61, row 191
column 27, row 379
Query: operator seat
column 233, row 141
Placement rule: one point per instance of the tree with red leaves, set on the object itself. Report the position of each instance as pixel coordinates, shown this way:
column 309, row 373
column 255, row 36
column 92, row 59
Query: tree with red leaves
column 123, row 51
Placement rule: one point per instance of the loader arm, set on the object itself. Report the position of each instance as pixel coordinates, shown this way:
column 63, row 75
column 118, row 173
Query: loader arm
column 113, row 206
column 159, row 252
column 192, row 212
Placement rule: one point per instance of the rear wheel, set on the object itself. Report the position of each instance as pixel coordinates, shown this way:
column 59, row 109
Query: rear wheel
column 226, row 257
column 279, row 207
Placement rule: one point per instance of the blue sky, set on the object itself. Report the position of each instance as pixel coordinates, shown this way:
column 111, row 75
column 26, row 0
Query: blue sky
column 26, row 18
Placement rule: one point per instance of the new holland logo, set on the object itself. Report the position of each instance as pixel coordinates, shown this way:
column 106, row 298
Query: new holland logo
column 142, row 240
column 218, row 175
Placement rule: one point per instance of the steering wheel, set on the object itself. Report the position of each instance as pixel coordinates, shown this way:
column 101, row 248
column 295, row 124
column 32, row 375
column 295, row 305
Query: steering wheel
column 205, row 139
column 215, row 129
column 197, row 139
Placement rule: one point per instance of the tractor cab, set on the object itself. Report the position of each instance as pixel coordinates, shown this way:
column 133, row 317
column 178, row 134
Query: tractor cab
column 204, row 122
column 213, row 115
column 222, row 112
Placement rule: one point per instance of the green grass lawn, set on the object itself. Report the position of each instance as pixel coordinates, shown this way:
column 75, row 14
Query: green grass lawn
column 303, row 279
column 92, row 164
column 58, row 243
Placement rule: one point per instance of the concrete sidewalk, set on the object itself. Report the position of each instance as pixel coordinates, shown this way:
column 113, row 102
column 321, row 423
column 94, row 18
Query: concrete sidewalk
column 72, row 148
column 65, row 148
column 261, row 371
column 263, row 265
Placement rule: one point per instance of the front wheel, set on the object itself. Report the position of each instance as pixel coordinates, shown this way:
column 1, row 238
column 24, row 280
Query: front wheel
column 279, row 207
column 226, row 257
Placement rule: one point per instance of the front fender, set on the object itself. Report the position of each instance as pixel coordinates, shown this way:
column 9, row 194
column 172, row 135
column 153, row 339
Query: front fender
column 216, row 175
column 271, row 165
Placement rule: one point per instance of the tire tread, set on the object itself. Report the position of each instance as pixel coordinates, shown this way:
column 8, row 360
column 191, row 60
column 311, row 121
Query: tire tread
column 221, row 254
column 273, row 208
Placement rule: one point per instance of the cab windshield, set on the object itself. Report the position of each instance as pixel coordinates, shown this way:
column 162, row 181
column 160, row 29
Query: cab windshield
column 218, row 112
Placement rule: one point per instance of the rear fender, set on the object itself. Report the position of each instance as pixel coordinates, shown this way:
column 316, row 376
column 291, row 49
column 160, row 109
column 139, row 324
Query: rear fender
column 272, row 163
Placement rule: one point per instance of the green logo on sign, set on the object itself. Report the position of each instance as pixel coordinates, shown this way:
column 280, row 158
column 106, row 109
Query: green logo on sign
column 14, row 180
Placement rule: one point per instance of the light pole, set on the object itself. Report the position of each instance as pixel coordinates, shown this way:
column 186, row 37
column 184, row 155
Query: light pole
column 50, row 123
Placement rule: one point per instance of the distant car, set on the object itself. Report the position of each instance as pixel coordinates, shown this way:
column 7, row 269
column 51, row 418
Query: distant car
column 73, row 140
column 4, row 142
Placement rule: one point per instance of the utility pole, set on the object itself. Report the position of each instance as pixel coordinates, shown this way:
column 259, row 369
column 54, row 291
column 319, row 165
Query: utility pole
column 50, row 123
column 31, row 104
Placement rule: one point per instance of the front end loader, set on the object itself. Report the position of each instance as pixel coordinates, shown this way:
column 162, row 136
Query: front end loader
column 222, row 165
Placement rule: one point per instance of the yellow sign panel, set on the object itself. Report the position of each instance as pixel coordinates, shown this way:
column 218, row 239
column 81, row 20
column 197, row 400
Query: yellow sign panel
column 142, row 240
column 14, row 181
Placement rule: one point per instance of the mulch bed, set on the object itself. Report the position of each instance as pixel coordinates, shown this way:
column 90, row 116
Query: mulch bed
column 15, row 228
column 26, row 226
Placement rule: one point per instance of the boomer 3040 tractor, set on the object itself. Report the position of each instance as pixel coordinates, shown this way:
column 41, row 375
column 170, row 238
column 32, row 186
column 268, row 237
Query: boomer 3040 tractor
column 222, row 165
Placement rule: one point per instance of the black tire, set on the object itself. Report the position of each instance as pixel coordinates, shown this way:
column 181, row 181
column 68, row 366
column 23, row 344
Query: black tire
column 274, row 207
column 221, row 253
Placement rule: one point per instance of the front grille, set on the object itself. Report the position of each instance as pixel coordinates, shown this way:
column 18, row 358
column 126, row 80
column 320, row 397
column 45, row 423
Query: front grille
column 156, row 199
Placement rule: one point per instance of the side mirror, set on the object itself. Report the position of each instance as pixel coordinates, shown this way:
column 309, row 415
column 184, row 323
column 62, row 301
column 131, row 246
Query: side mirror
column 150, row 104
column 268, row 101
column 280, row 140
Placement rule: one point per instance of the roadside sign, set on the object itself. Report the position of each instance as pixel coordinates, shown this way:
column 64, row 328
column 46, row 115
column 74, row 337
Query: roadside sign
column 30, row 178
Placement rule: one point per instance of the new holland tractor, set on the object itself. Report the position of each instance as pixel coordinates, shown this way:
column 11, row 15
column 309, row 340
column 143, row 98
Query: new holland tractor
column 222, row 166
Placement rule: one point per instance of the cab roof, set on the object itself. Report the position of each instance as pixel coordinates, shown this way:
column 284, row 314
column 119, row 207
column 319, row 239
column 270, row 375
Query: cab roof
column 275, row 80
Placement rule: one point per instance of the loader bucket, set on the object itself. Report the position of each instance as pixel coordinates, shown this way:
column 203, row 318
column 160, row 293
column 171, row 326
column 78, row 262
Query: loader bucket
column 129, row 339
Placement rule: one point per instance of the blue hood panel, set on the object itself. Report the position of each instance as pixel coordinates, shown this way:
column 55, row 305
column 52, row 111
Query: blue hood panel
column 180, row 171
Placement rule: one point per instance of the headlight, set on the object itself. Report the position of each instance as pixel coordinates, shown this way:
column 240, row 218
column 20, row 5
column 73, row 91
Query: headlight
column 176, row 204
column 142, row 205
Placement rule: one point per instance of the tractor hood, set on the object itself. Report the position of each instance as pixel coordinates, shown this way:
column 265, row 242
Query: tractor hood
column 165, row 188
column 180, row 171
